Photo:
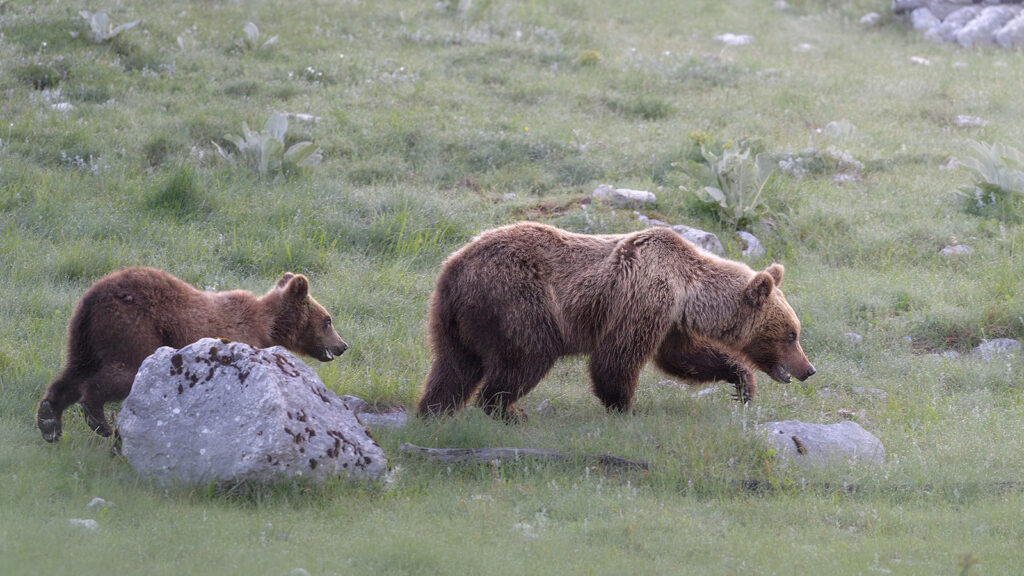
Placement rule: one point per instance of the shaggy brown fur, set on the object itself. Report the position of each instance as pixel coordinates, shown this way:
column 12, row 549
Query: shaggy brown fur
column 514, row 300
column 125, row 316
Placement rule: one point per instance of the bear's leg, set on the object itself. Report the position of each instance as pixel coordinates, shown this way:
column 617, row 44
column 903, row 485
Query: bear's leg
column 508, row 379
column 110, row 384
column 701, row 362
column 454, row 375
column 614, row 377
column 62, row 393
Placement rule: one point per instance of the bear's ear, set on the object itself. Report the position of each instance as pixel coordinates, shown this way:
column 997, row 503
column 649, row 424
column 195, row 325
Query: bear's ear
column 756, row 292
column 284, row 280
column 776, row 271
column 298, row 287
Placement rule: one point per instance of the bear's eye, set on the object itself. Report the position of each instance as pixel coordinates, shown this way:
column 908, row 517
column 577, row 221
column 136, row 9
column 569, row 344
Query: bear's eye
column 327, row 322
column 792, row 336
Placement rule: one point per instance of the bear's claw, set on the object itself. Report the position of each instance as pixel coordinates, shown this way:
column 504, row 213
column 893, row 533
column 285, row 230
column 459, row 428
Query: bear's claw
column 97, row 424
column 48, row 422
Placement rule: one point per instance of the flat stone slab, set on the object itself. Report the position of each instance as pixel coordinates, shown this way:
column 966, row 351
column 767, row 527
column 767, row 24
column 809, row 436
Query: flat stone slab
column 808, row 444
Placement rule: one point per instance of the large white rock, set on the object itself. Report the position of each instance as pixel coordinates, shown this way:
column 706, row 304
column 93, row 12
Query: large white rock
column 225, row 411
column 820, row 444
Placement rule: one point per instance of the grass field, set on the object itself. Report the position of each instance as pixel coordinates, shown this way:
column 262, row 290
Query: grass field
column 437, row 120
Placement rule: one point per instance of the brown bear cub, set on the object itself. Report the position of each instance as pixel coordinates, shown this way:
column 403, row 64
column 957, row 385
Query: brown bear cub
column 515, row 299
column 125, row 316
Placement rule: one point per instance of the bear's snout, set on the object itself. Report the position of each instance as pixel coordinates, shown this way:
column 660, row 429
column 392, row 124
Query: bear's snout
column 329, row 352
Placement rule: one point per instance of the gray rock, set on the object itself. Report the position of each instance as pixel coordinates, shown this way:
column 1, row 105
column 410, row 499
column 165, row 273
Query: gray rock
column 953, row 23
column 923, row 19
column 820, row 444
column 395, row 419
column 1012, row 33
column 752, row 248
column 853, row 337
column 700, row 238
column 981, row 30
column 956, row 250
column 998, row 347
column 622, row 196
column 97, row 503
column 965, row 121
column 871, row 19
column 649, row 221
column 86, row 523
column 219, row 410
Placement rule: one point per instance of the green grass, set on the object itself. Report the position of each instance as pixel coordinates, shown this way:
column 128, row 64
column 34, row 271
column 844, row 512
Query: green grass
column 436, row 123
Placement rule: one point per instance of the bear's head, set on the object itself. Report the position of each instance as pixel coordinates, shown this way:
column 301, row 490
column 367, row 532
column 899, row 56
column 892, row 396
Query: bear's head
column 301, row 323
column 773, row 345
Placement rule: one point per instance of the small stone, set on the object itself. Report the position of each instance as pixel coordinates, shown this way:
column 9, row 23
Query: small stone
column 510, row 196
column 920, row 61
column 703, row 240
column 956, row 250
column 853, row 337
column 97, row 503
column 998, row 347
column 730, row 39
column 622, row 196
column 871, row 19
column 964, row 121
column 752, row 248
column 87, row 523
column 395, row 419
column 780, row 5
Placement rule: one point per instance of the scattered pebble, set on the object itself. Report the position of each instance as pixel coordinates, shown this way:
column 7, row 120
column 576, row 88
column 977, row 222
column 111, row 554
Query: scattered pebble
column 871, row 19
column 853, row 337
column 97, row 503
column 730, row 39
column 87, row 523
column 920, row 61
column 964, row 121
column 956, row 250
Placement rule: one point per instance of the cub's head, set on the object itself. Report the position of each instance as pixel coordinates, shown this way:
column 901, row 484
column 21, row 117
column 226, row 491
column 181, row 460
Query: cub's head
column 773, row 344
column 302, row 325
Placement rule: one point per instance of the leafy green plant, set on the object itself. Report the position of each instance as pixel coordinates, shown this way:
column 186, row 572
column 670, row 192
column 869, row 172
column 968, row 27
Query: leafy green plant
column 250, row 40
column 998, row 186
column 264, row 151
column 102, row 28
column 731, row 182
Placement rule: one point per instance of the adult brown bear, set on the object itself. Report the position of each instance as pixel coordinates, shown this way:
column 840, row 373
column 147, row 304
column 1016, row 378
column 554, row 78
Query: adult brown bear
column 511, row 302
column 125, row 316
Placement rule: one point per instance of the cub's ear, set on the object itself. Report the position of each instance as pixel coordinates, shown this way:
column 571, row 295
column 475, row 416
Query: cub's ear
column 298, row 287
column 284, row 280
column 776, row 271
column 759, row 289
